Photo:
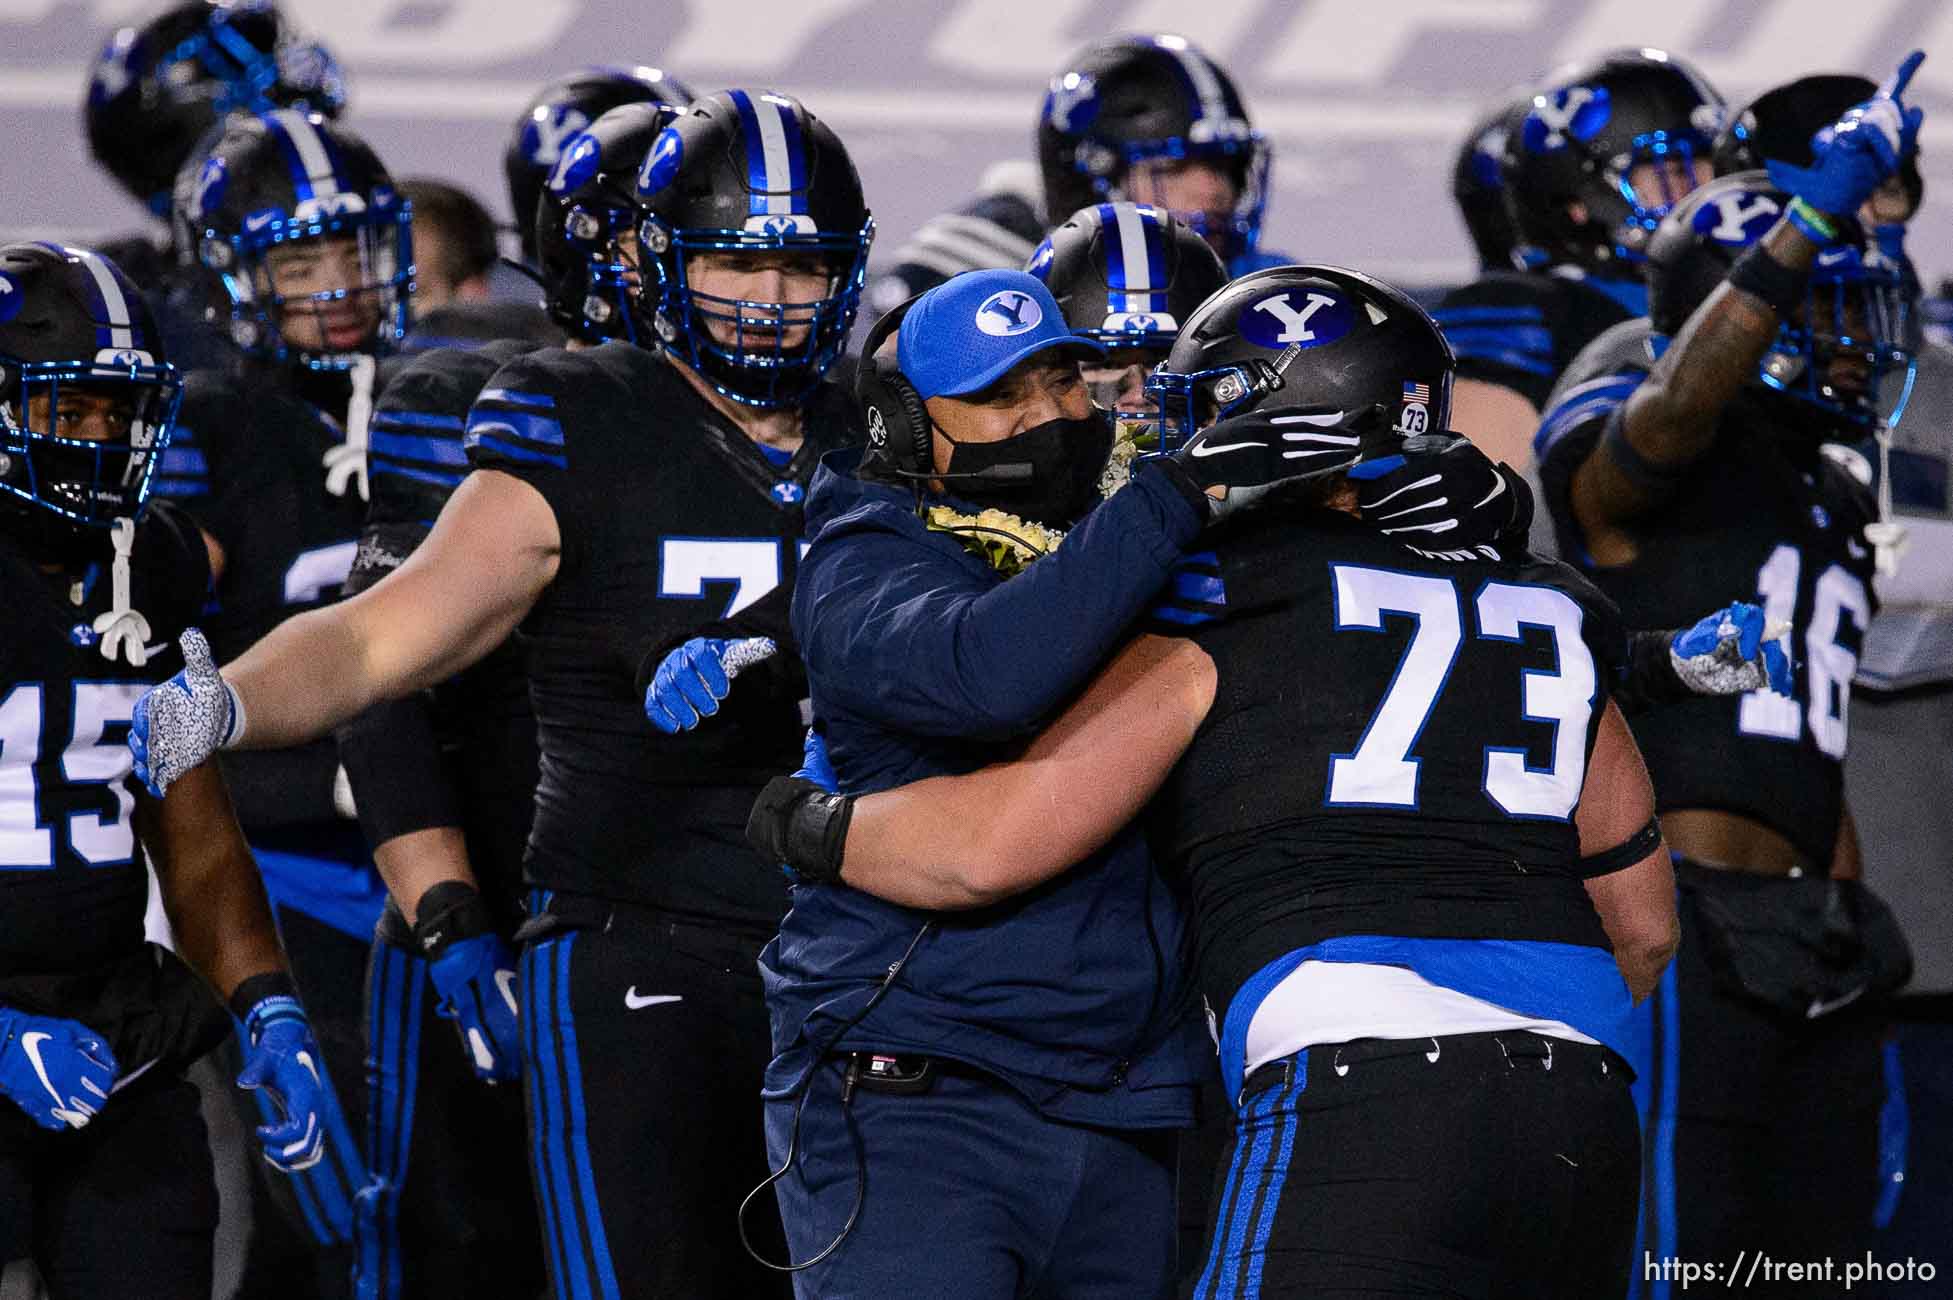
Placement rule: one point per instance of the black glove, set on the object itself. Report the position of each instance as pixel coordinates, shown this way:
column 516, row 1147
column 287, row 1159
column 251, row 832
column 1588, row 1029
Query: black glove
column 797, row 822
column 1248, row 457
column 1440, row 495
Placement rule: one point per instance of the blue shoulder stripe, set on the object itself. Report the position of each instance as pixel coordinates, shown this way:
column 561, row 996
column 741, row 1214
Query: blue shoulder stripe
column 542, row 430
column 1175, row 614
column 1583, row 403
column 487, row 439
column 435, row 478
column 418, row 420
column 408, row 446
column 179, row 488
column 1487, row 315
column 1189, row 585
column 186, row 461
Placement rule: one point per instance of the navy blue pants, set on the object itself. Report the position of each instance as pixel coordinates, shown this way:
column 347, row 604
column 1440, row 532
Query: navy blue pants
column 972, row 1195
column 1491, row 1166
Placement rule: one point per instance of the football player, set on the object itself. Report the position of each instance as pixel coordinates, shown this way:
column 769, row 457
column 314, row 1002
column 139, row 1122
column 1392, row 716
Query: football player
column 1593, row 158
column 1126, row 275
column 444, row 782
column 105, row 1171
column 1148, row 119
column 625, row 495
column 1773, row 317
column 298, row 220
column 1414, row 832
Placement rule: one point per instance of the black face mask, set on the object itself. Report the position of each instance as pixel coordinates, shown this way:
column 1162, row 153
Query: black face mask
column 1065, row 459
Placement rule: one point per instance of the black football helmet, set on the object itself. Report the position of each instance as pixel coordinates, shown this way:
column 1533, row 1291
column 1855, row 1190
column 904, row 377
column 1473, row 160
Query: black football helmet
column 1333, row 354
column 1127, row 274
column 1828, row 360
column 555, row 116
column 1589, row 126
column 156, row 90
column 1128, row 99
column 1782, row 125
column 71, row 321
column 1478, row 183
column 749, row 170
column 587, row 210
column 286, row 179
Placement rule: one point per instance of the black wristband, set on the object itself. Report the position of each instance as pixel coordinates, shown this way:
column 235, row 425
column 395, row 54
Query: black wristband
column 1762, row 276
column 1645, row 474
column 255, row 989
column 1623, row 855
column 796, row 822
column 448, row 913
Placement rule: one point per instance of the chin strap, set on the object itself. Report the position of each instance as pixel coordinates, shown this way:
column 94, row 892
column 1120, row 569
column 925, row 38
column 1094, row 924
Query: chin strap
column 122, row 629
column 345, row 462
column 1887, row 535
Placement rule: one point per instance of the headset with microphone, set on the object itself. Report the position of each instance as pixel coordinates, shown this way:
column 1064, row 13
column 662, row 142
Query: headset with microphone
column 899, row 426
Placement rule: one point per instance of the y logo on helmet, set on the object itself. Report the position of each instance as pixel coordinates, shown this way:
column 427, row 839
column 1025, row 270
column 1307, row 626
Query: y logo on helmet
column 11, row 299
column 1008, row 312
column 781, row 224
column 661, row 164
column 1072, row 102
column 1296, row 317
column 549, row 129
column 577, row 165
column 211, row 183
column 1577, row 111
column 1737, row 218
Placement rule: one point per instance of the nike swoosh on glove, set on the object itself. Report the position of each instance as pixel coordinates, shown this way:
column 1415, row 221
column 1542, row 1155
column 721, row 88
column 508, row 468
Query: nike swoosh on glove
column 692, row 679
column 58, row 1071
column 1855, row 154
column 1733, row 651
column 1442, row 496
column 282, row 1057
column 184, row 721
column 476, row 980
column 1251, row 457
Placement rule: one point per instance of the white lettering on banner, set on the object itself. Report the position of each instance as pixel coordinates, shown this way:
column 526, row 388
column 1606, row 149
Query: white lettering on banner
column 1362, row 44
column 753, row 36
column 467, row 34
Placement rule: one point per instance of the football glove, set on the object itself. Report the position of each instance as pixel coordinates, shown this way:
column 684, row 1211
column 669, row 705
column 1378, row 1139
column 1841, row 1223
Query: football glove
column 184, row 721
column 1855, row 154
column 1443, row 496
column 692, row 679
column 58, row 1071
column 281, row 1057
column 473, row 969
column 1733, row 651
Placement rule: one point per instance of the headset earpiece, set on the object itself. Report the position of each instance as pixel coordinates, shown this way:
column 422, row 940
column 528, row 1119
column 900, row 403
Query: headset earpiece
column 898, row 424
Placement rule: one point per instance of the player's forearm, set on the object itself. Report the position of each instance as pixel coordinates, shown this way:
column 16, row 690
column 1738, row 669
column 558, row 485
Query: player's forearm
column 1671, row 419
column 414, row 863
column 309, row 674
column 1637, row 909
column 1847, row 858
column 209, row 882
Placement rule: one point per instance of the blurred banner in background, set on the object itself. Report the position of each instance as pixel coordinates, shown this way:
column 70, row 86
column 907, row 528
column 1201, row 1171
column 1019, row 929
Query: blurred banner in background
column 1365, row 103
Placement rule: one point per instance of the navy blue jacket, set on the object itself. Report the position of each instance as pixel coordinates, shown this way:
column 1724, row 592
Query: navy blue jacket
column 924, row 661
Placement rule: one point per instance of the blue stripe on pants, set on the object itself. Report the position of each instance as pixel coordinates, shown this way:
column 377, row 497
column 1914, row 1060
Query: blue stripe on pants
column 579, row 1137
column 1668, row 1031
column 1246, row 1212
column 552, row 1189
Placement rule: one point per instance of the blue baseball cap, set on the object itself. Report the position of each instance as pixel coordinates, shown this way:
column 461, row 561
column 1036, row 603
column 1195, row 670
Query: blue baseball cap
column 967, row 332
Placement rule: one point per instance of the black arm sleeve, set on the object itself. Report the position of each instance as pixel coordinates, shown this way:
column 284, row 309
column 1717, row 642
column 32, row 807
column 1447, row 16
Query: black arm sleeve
column 400, row 782
column 277, row 788
column 1647, row 677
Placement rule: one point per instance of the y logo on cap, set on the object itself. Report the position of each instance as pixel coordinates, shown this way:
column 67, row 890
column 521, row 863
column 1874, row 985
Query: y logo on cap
column 1008, row 312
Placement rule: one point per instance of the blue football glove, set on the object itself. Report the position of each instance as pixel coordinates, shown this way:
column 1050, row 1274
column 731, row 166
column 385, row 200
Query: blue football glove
column 692, row 679
column 1733, row 651
column 1859, row 151
column 473, row 969
column 281, row 1057
column 815, row 766
column 58, row 1071
column 184, row 721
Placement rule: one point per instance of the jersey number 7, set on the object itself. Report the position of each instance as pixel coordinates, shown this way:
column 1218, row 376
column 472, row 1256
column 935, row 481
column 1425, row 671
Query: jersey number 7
column 1382, row 772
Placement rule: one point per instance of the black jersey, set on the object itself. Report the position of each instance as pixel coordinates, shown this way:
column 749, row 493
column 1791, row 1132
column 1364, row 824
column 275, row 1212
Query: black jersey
column 1396, row 745
column 1764, row 516
column 1520, row 330
column 72, row 885
column 464, row 753
column 670, row 518
column 247, row 463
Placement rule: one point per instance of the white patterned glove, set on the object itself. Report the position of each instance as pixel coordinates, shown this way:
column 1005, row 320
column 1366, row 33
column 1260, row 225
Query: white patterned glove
column 184, row 721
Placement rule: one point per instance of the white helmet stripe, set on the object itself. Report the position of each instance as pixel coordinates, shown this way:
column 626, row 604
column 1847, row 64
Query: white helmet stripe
column 1213, row 104
column 773, row 145
column 120, row 335
column 311, row 152
column 1132, row 252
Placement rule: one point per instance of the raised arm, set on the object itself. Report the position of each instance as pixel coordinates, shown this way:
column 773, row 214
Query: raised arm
column 1636, row 898
column 967, row 841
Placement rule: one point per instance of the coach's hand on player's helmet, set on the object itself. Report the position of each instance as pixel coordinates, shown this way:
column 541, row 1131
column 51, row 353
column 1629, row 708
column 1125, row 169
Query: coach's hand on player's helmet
column 184, row 721
column 1442, row 495
column 473, row 969
column 282, row 1058
column 59, row 1072
column 1235, row 463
